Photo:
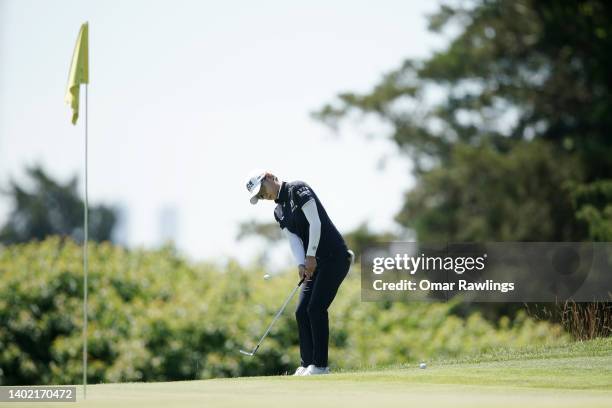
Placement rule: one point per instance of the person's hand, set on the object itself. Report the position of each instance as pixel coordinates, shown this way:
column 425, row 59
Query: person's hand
column 301, row 271
column 311, row 265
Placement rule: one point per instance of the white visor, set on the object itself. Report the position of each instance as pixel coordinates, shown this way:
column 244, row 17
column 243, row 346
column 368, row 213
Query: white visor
column 253, row 184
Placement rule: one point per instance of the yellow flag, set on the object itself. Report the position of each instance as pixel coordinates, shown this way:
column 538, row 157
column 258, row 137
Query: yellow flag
column 79, row 71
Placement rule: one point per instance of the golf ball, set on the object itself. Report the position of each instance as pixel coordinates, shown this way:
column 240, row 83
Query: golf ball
column 266, row 276
column 423, row 365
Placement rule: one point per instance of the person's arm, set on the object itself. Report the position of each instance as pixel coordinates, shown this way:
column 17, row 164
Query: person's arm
column 297, row 248
column 314, row 232
column 314, row 235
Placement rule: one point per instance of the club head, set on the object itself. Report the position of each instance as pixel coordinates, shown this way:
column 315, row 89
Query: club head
column 246, row 353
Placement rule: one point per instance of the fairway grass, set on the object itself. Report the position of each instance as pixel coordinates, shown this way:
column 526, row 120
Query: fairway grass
column 575, row 375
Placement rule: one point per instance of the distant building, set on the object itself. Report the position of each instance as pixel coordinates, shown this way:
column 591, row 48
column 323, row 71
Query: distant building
column 168, row 224
column 120, row 234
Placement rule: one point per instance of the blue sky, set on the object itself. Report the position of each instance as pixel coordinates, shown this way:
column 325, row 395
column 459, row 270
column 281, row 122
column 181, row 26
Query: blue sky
column 187, row 96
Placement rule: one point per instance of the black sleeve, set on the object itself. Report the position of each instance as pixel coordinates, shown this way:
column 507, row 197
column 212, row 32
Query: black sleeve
column 302, row 195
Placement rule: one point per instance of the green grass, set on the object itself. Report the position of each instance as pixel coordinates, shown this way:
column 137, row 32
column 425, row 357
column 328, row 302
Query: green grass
column 574, row 375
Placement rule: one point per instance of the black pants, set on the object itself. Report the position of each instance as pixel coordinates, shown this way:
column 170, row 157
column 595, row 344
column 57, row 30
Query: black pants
column 311, row 313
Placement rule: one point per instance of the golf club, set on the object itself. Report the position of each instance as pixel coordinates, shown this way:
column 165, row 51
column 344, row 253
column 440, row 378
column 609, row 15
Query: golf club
column 282, row 309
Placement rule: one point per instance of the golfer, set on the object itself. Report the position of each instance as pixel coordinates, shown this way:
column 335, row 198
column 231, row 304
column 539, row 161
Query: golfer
column 321, row 255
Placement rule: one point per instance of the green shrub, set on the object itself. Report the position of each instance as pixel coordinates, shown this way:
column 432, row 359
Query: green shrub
column 155, row 317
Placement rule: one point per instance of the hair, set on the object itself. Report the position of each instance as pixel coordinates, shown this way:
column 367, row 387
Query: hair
column 271, row 176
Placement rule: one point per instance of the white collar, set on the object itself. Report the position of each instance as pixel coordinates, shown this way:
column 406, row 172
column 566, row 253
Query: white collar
column 279, row 189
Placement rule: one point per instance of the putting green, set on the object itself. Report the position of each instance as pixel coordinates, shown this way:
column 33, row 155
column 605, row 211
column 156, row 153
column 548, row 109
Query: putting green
column 577, row 375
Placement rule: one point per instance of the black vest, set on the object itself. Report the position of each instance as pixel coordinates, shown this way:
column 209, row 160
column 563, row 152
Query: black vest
column 288, row 213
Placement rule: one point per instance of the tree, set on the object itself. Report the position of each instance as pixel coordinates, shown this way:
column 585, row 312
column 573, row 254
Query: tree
column 518, row 72
column 363, row 237
column 594, row 204
column 51, row 208
column 508, row 128
column 269, row 231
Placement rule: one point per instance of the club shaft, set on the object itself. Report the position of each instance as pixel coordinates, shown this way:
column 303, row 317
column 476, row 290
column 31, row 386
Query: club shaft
column 280, row 312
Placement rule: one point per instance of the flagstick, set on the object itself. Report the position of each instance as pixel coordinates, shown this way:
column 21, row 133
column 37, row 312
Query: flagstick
column 85, row 263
